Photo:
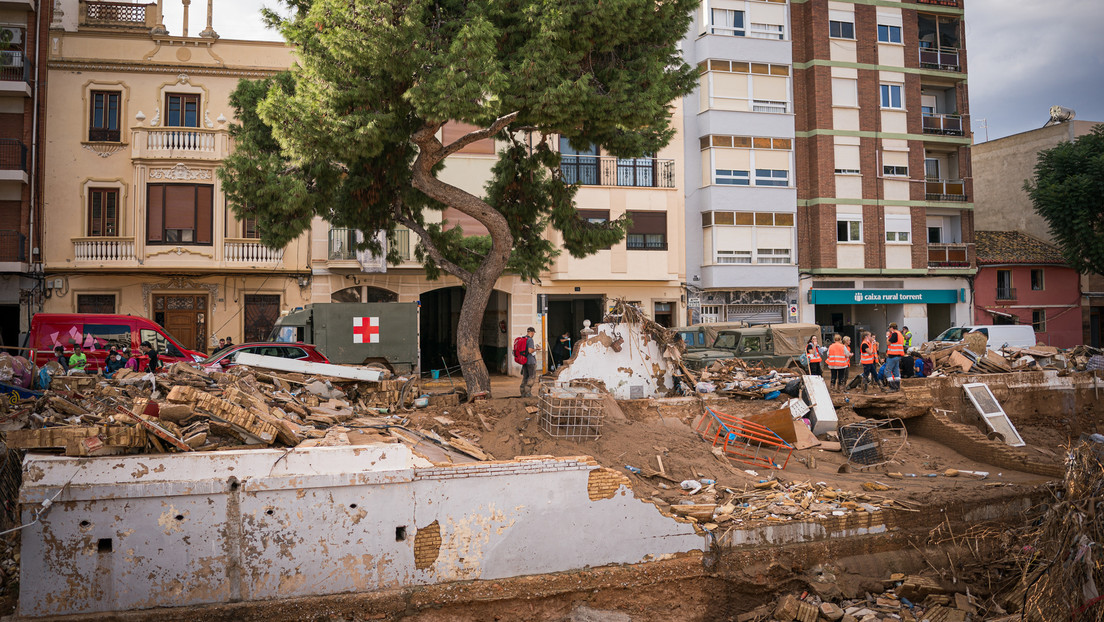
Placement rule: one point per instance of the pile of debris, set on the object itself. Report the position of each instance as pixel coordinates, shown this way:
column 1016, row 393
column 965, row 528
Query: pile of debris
column 963, row 358
column 903, row 597
column 733, row 378
column 186, row 409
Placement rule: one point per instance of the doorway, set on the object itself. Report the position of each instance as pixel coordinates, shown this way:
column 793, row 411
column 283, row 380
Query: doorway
column 261, row 313
column 566, row 314
column 184, row 316
column 440, row 319
column 9, row 328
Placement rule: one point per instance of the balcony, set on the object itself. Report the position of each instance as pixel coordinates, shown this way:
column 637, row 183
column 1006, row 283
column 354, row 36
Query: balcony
column 103, row 249
column 342, row 245
column 1006, row 293
column 943, row 124
column 13, row 247
column 16, row 72
column 250, row 251
column 945, row 190
column 176, row 143
column 944, row 59
column 13, row 160
column 617, row 172
column 953, row 3
column 948, row 255
column 116, row 14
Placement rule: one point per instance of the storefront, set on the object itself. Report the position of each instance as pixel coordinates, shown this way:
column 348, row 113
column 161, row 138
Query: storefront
column 849, row 311
column 761, row 306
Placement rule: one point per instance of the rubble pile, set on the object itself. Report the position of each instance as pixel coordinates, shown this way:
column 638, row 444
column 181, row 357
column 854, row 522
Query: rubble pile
column 962, row 358
column 908, row 598
column 771, row 500
column 187, row 409
column 734, row 378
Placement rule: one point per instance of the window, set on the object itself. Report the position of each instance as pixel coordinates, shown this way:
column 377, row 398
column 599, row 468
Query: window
column 96, row 303
column 935, row 235
column 728, row 22
column 709, row 315
column 847, row 171
column 1038, row 320
column 895, row 171
column 898, row 229
column 848, row 228
column 103, row 212
column 889, row 34
column 648, row 231
column 762, row 105
column 766, row 31
column 731, row 257
column 1037, row 279
column 578, row 165
column 594, row 217
column 181, row 110
column 1004, row 285
column 772, row 255
column 179, row 214
column 841, row 30
column 105, row 336
column 162, row 345
column 103, row 123
column 771, row 177
column 249, row 229
column 891, row 96
column 751, row 344
column 931, row 168
column 729, row 177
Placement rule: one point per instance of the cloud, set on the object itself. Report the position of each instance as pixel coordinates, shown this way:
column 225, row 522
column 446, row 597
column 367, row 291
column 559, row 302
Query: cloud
column 1027, row 56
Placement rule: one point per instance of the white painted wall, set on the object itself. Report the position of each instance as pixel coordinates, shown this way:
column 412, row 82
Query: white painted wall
column 639, row 363
column 268, row 524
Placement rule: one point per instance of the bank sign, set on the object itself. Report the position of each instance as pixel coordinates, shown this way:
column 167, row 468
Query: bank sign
column 883, row 296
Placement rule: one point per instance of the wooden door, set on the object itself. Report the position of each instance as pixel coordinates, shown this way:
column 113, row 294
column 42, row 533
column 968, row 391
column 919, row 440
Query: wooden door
column 184, row 316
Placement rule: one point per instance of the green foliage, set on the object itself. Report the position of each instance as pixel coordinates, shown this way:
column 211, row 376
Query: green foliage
column 333, row 138
column 1068, row 192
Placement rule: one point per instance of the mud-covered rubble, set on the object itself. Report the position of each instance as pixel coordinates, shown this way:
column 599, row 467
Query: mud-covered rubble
column 187, row 409
column 973, row 356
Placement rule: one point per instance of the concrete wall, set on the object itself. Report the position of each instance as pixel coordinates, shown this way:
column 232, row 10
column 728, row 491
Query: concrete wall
column 1000, row 168
column 147, row 531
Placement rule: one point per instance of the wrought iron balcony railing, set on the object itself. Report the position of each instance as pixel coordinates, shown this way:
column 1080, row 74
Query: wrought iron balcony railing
column 610, row 171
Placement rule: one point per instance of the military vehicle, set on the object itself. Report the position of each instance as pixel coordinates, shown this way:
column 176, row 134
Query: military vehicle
column 357, row 333
column 700, row 336
column 768, row 345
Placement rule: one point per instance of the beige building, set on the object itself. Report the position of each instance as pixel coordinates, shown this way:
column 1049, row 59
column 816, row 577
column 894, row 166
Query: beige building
column 135, row 218
column 647, row 268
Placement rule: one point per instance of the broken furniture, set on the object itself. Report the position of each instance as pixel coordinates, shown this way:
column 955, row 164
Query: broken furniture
column 744, row 441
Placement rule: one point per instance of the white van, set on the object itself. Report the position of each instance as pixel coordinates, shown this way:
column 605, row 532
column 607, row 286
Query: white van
column 1000, row 335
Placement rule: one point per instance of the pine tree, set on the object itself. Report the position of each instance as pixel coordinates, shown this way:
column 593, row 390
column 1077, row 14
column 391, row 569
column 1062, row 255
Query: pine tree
column 351, row 133
column 1068, row 192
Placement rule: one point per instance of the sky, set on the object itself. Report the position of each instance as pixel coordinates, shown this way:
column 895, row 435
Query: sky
column 1024, row 56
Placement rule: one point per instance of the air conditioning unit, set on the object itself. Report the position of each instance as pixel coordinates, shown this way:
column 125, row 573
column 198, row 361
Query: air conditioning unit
column 10, row 36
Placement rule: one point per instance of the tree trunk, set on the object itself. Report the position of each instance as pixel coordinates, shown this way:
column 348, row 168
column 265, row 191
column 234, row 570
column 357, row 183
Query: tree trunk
column 479, row 284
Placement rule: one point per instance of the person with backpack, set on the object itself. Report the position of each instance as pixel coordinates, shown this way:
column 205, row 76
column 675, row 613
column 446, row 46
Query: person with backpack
column 524, row 347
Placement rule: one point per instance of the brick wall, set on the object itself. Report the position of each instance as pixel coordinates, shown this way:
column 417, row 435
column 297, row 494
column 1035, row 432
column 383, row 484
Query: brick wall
column 969, row 441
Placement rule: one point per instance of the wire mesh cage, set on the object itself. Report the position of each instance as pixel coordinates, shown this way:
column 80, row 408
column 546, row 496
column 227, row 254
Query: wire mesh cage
column 873, row 442
column 573, row 411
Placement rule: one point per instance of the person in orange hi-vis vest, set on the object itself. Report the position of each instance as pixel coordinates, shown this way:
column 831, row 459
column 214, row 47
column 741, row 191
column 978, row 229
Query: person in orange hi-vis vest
column 868, row 356
column 812, row 351
column 895, row 349
column 838, row 363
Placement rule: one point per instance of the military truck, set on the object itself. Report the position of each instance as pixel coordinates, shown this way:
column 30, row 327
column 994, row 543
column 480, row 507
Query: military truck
column 700, row 336
column 768, row 345
column 357, row 333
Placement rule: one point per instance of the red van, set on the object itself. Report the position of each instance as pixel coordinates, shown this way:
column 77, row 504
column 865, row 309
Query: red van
column 96, row 332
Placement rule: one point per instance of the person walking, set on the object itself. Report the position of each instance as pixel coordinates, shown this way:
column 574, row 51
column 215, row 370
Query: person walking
column 895, row 349
column 529, row 369
column 812, row 352
column 868, row 356
column 838, row 362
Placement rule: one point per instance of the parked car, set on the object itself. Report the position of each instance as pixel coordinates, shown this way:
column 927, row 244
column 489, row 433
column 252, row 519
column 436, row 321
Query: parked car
column 97, row 332
column 701, row 336
column 770, row 345
column 226, row 357
column 1000, row 335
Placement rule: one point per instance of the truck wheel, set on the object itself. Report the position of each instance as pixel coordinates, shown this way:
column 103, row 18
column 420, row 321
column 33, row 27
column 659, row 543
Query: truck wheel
column 378, row 361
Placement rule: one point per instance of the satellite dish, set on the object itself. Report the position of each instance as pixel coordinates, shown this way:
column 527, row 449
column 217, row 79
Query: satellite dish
column 1061, row 114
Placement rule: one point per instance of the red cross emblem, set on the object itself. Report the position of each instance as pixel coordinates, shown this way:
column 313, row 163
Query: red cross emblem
column 366, row 330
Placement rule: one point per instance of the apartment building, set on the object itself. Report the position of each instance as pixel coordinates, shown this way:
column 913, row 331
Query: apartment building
column 22, row 90
column 885, row 200
column 135, row 218
column 647, row 268
column 741, row 190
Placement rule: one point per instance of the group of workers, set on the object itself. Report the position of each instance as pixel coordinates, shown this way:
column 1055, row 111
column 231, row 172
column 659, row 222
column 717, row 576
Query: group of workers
column 899, row 361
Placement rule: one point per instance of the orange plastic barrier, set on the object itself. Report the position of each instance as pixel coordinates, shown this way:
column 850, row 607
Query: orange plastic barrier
column 744, row 441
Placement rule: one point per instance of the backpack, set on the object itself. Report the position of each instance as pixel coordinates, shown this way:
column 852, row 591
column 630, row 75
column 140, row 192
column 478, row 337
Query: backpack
column 521, row 350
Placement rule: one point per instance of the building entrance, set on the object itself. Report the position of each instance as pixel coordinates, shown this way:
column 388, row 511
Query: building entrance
column 184, row 316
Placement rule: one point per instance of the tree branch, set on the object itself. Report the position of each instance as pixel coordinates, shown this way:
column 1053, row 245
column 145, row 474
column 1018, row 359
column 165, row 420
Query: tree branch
column 427, row 244
column 471, row 137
